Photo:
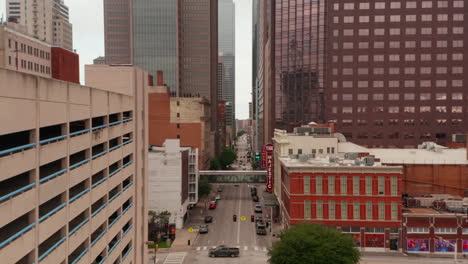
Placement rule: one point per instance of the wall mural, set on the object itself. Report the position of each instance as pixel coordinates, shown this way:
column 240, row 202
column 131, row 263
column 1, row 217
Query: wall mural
column 444, row 246
column 465, row 245
column 418, row 244
column 375, row 240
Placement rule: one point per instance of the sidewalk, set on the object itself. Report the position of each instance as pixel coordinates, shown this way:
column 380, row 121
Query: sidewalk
column 181, row 242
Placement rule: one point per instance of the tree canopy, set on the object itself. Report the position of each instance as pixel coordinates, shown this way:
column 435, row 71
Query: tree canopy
column 313, row 244
column 204, row 187
column 228, row 156
column 240, row 133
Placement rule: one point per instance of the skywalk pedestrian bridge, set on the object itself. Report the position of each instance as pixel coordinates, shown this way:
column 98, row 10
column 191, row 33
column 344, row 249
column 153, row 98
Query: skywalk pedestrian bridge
column 233, row 176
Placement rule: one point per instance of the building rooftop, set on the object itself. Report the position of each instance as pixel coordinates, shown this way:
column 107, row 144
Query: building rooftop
column 425, row 211
column 430, row 154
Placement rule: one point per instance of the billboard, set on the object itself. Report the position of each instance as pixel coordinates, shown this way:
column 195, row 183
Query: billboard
column 269, row 167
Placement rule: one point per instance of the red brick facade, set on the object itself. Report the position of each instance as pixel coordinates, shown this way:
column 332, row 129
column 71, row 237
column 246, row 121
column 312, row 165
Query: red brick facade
column 65, row 65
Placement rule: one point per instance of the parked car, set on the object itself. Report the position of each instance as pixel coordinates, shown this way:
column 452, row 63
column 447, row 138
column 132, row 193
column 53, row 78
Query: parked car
column 255, row 198
column 220, row 190
column 203, row 229
column 208, row 219
column 218, row 197
column 258, row 219
column 224, row 251
column 258, row 209
column 212, row 205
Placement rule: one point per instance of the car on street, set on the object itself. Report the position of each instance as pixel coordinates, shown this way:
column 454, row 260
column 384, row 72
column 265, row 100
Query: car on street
column 255, row 198
column 260, row 228
column 203, row 229
column 258, row 209
column 212, row 206
column 218, row 197
column 258, row 219
column 224, row 251
column 208, row 219
column 220, row 190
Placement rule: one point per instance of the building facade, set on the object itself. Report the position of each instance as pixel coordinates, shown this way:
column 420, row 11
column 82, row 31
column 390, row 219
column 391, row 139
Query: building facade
column 363, row 201
column 46, row 20
column 118, row 32
column 181, row 118
column 73, row 170
column 173, row 180
column 396, row 71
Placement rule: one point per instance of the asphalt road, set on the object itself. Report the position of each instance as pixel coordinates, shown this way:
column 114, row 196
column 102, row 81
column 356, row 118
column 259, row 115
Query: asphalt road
column 235, row 200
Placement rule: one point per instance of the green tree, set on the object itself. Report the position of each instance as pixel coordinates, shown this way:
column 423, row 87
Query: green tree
column 240, row 133
column 254, row 164
column 156, row 221
column 228, row 156
column 204, row 187
column 215, row 164
column 313, row 244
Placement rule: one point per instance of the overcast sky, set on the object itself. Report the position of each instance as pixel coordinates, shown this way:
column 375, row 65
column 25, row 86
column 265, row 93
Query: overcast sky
column 88, row 40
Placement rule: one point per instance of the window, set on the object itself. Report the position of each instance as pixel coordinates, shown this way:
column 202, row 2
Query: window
column 379, row 5
column 344, row 210
column 331, row 210
column 445, row 230
column 368, row 210
column 394, row 186
column 318, row 185
column 417, row 230
column 356, row 186
column 411, row 4
column 349, row 6
column 344, row 185
column 381, row 210
column 299, row 151
column 394, row 210
column 319, row 209
column 368, row 185
column 290, row 151
column 331, row 185
column 307, row 209
column 381, row 185
column 306, row 184
column 356, row 210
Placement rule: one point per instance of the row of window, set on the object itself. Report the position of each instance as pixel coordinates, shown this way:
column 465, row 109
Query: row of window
column 396, row 96
column 437, row 230
column 31, row 66
column 399, row 5
column 396, row 135
column 396, row 84
column 397, row 18
column 356, row 185
column 399, row 57
column 329, row 150
column 397, row 31
column 355, row 207
column 29, row 50
column 395, row 122
column 405, row 70
column 405, row 109
column 409, row 44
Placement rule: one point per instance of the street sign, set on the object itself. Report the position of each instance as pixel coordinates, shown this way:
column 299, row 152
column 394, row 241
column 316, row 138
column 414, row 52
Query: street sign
column 191, row 229
column 243, row 218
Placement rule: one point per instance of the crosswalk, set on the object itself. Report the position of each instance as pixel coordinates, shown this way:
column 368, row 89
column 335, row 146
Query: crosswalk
column 244, row 248
column 175, row 258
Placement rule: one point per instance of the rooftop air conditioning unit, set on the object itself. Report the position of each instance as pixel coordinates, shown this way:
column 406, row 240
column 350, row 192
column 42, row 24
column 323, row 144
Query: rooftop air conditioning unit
column 333, row 159
column 351, row 155
column 369, row 161
column 303, row 158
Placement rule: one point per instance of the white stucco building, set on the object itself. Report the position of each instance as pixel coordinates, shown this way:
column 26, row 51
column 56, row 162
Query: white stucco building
column 173, row 179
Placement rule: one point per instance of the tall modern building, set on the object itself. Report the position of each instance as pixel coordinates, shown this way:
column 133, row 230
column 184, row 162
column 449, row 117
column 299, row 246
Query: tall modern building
column 46, row 20
column 118, row 32
column 396, row 73
column 227, row 49
column 389, row 74
column 74, row 167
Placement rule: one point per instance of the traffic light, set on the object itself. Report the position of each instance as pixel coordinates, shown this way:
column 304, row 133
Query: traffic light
column 234, row 218
column 257, row 156
column 252, row 218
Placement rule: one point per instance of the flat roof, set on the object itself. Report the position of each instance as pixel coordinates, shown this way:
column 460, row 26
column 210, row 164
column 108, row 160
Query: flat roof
column 425, row 211
column 410, row 156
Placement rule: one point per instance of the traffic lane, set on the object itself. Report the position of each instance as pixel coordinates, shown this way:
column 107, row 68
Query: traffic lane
column 247, row 232
column 201, row 257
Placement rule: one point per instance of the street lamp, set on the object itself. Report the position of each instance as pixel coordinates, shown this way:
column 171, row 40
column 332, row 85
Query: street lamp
column 453, row 245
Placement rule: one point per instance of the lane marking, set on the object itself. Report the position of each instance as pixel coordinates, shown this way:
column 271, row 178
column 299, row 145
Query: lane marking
column 245, row 248
column 256, row 248
column 238, row 223
column 198, row 248
column 204, row 248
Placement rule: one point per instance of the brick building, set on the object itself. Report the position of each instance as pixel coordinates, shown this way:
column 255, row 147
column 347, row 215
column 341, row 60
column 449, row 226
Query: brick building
column 181, row 118
column 422, row 229
column 364, row 201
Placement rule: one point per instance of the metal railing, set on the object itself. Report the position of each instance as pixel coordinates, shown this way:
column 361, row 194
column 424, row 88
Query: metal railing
column 99, row 182
column 43, row 256
column 127, row 230
column 78, row 227
column 80, row 256
column 115, row 245
column 128, row 208
column 99, row 127
column 126, row 253
column 78, row 164
column 127, row 164
column 128, row 119
column 44, row 217
column 19, row 191
column 128, row 141
column 15, row 149
column 114, row 172
column 76, row 133
column 98, row 237
column 78, row 195
column 127, row 186
column 103, row 259
column 45, row 141
column 53, row 175
column 115, row 196
column 99, row 154
column 15, row 236
column 99, row 209
column 115, row 221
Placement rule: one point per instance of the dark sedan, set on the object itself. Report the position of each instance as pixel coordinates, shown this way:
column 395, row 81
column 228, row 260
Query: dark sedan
column 208, row 219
